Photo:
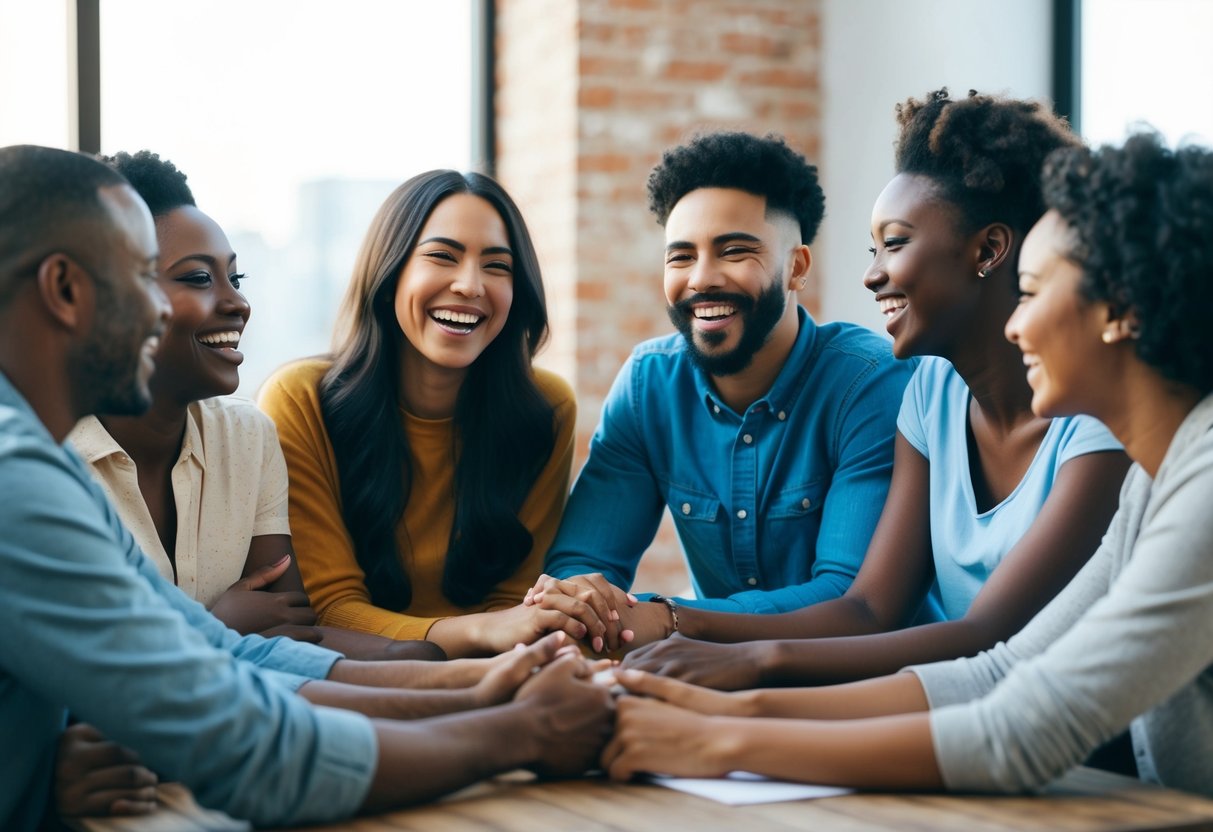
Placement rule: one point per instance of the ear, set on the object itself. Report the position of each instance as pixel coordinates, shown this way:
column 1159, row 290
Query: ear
column 66, row 291
column 801, row 263
column 994, row 247
column 1121, row 326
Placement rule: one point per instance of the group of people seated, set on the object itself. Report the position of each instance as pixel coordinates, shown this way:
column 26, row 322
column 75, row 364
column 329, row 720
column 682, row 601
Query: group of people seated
column 969, row 558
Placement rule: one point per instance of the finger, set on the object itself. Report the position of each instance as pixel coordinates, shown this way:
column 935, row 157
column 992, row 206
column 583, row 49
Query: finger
column 82, row 731
column 126, row 806
column 83, row 758
column 311, row 635
column 264, row 576
column 294, row 599
column 579, row 610
column 646, row 684
column 299, row 616
column 132, row 778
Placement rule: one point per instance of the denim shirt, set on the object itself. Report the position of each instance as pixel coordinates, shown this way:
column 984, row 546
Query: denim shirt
column 90, row 626
column 775, row 506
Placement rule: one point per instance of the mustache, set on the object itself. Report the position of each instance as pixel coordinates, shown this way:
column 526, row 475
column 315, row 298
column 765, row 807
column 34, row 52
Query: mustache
column 683, row 307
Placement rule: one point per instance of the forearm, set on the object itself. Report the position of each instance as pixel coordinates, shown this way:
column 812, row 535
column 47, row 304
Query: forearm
column 901, row 693
column 386, row 702
column 837, row 617
column 892, row 752
column 833, row 660
column 418, row 675
column 420, row 761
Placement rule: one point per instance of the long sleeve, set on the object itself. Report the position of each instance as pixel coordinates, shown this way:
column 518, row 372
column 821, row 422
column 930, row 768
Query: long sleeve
column 148, row 666
column 1130, row 640
column 334, row 581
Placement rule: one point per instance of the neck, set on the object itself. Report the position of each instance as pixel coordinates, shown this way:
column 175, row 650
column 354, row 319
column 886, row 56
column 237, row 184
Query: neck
column 742, row 389
column 427, row 390
column 153, row 439
column 37, row 367
column 1144, row 411
column 994, row 372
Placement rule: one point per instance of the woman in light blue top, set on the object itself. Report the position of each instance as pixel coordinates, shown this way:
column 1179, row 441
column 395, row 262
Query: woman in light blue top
column 1110, row 324
column 991, row 509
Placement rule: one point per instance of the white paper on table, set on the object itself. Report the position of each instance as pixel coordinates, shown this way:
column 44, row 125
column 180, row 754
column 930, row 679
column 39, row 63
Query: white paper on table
column 739, row 788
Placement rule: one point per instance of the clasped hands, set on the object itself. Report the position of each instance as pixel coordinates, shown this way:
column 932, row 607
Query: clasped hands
column 612, row 620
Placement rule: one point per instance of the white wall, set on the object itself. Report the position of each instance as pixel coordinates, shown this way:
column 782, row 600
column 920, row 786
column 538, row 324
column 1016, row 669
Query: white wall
column 877, row 53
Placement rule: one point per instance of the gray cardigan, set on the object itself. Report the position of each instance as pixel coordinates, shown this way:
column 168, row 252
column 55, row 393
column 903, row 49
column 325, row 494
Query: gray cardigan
column 1129, row 642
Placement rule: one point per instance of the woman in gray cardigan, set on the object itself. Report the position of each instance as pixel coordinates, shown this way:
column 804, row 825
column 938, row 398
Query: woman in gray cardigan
column 1110, row 324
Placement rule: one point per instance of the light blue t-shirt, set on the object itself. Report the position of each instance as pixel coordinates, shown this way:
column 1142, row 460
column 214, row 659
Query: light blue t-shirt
column 969, row 545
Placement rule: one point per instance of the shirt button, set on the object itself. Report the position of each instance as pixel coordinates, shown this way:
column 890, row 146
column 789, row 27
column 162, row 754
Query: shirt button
column 741, row 514
column 806, row 502
column 752, row 581
column 686, row 508
column 749, row 440
column 715, row 408
column 782, row 416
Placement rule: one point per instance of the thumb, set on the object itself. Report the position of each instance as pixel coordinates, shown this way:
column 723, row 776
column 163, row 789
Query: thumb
column 640, row 683
column 264, row 576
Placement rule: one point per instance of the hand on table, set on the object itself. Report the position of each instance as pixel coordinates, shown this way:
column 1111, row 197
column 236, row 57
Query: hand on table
column 246, row 607
column 595, row 601
column 575, row 716
column 506, row 673
column 719, row 666
column 94, row 776
column 658, row 738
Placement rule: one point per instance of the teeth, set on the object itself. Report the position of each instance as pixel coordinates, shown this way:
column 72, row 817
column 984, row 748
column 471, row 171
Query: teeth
column 714, row 311
column 890, row 306
column 455, row 317
column 221, row 338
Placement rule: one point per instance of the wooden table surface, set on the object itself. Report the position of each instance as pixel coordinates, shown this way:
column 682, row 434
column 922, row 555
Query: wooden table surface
column 1085, row 799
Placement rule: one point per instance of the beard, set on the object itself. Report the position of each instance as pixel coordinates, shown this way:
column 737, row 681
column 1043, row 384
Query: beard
column 758, row 320
column 106, row 368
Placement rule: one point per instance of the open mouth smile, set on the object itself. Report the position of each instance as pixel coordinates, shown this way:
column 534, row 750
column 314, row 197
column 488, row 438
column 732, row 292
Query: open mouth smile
column 457, row 323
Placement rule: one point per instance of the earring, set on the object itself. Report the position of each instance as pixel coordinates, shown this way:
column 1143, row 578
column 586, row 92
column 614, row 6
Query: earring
column 1108, row 336
column 983, row 272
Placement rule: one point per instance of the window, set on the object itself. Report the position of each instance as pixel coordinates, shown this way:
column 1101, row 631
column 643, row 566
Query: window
column 1146, row 60
column 293, row 119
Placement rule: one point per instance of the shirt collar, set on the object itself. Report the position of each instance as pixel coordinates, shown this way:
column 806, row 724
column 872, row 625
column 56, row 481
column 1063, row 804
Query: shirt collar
column 93, row 442
column 788, row 384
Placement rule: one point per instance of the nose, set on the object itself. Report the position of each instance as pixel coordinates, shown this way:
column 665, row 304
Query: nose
column 704, row 276
column 232, row 301
column 162, row 310
column 468, row 281
column 1011, row 330
column 874, row 277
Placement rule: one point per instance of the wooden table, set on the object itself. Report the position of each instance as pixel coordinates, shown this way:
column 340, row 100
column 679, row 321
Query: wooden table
column 1085, row 799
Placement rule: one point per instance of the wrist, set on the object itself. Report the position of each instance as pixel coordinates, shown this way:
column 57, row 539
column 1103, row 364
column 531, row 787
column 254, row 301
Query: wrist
column 769, row 658
column 672, row 610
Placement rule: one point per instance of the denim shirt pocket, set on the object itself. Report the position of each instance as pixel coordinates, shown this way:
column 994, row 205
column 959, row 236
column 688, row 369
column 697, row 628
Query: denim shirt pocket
column 794, row 517
column 697, row 516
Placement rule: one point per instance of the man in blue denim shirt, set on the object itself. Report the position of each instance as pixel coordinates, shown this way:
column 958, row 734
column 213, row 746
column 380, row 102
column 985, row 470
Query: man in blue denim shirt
column 89, row 626
column 768, row 437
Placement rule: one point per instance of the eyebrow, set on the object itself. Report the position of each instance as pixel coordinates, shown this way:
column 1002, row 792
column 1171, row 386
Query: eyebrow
column 718, row 240
column 205, row 258
column 887, row 223
column 458, row 246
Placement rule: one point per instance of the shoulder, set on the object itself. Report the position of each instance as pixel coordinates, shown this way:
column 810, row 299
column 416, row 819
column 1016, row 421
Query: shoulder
column 231, row 416
column 855, row 342
column 293, row 391
column 667, row 351
column 555, row 389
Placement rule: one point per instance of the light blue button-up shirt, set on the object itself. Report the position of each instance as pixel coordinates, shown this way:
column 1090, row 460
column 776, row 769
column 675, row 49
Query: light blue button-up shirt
column 89, row 626
column 775, row 506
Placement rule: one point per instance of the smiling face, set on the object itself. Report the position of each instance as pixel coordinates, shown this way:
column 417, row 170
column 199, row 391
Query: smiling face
column 1058, row 330
column 728, row 271
column 924, row 270
column 198, row 356
column 455, row 290
column 112, row 365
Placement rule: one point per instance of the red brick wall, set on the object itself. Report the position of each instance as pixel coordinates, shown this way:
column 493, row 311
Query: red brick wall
column 589, row 92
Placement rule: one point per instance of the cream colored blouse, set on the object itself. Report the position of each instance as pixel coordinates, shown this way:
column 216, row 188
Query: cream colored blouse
column 229, row 483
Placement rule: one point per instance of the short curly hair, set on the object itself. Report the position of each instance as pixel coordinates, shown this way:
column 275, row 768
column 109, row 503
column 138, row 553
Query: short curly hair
column 157, row 180
column 1141, row 218
column 765, row 167
column 984, row 152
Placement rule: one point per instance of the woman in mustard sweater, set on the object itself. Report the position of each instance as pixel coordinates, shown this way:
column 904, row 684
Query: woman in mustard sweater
column 428, row 460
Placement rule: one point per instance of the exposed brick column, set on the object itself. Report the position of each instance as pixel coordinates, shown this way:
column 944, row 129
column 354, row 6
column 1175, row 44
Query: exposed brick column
column 589, row 92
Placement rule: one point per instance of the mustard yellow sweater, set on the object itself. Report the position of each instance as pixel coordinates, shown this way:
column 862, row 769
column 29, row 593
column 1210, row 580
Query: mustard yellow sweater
column 331, row 575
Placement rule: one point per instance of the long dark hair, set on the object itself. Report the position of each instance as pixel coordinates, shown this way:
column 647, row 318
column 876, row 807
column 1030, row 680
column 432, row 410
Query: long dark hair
column 504, row 427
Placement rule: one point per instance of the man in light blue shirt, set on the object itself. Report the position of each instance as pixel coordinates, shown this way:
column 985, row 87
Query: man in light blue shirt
column 768, row 437
column 89, row 626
